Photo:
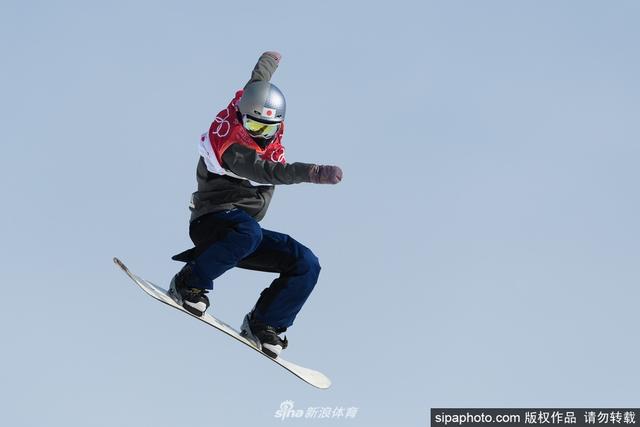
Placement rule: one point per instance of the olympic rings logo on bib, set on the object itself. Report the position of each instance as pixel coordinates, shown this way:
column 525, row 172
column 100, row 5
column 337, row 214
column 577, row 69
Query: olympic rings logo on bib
column 277, row 156
column 224, row 126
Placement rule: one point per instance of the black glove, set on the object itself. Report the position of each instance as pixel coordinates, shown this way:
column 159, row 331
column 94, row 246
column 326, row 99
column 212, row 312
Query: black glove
column 325, row 174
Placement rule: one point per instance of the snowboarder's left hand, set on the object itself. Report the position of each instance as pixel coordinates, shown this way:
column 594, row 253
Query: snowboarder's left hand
column 320, row 174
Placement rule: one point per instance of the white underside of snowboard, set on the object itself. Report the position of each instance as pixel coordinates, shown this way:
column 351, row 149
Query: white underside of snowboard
column 315, row 378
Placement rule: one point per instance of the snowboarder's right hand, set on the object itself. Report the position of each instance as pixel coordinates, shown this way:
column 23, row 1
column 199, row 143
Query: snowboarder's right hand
column 320, row 174
column 265, row 67
column 275, row 55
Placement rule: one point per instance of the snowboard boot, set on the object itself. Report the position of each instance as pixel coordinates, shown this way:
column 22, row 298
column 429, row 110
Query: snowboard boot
column 194, row 300
column 265, row 336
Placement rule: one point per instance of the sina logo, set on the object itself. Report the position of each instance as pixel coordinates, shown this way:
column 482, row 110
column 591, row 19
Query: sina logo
column 286, row 411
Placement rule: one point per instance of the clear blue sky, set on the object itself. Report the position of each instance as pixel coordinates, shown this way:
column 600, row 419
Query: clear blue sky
column 482, row 250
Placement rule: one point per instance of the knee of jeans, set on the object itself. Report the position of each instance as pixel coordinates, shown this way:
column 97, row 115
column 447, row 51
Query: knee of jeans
column 309, row 263
column 250, row 236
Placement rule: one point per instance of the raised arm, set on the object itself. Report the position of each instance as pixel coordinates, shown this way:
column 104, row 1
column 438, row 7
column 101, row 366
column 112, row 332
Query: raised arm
column 265, row 67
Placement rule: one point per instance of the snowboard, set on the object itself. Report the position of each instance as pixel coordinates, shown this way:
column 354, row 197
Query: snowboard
column 315, row 378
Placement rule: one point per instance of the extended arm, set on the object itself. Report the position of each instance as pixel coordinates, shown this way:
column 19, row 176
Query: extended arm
column 246, row 163
column 265, row 67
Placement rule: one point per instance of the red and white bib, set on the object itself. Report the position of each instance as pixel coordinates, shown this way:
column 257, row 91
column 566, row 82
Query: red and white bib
column 226, row 130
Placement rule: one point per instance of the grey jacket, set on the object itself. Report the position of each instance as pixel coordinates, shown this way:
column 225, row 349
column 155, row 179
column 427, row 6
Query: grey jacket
column 223, row 192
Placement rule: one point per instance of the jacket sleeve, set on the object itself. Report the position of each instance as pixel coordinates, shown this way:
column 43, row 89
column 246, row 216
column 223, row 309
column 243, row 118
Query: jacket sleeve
column 246, row 163
column 265, row 67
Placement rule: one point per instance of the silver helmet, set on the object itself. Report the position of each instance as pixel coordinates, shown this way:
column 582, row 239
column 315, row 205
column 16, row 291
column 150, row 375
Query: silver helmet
column 263, row 101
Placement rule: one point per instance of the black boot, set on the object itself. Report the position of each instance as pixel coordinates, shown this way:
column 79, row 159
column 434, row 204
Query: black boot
column 264, row 335
column 194, row 300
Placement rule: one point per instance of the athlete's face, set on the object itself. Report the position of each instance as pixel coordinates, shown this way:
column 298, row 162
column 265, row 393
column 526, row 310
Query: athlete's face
column 259, row 129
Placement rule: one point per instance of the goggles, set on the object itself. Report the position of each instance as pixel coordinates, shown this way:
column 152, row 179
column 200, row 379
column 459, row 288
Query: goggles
column 259, row 129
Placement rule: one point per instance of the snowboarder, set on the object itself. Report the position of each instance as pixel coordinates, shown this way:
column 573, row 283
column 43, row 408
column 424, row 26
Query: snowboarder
column 241, row 160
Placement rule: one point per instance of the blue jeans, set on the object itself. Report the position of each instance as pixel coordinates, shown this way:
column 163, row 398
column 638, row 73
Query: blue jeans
column 234, row 239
